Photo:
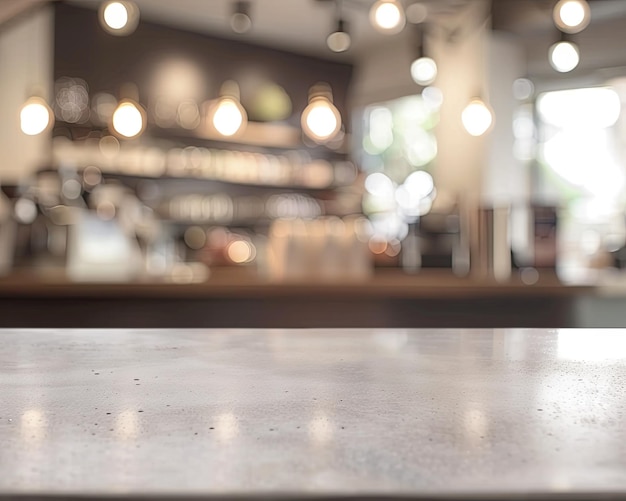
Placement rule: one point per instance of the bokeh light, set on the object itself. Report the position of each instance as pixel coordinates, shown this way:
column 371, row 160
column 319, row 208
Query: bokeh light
column 477, row 118
column 119, row 17
column 229, row 117
column 241, row 251
column 564, row 56
column 35, row 116
column 387, row 16
column 321, row 120
column 424, row 71
column 128, row 119
column 572, row 16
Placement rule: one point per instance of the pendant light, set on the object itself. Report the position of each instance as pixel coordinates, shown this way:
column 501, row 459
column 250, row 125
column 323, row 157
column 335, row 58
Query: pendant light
column 339, row 40
column 564, row 55
column 387, row 16
column 36, row 116
column 423, row 68
column 119, row 17
column 571, row 16
column 226, row 115
column 241, row 21
column 129, row 118
column 321, row 120
column 477, row 117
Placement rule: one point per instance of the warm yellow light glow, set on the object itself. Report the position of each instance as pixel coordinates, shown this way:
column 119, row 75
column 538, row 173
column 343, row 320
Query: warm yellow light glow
column 128, row 119
column 424, row 71
column 229, row 117
column 241, row 251
column 477, row 118
column 115, row 15
column 377, row 245
column 387, row 16
column 564, row 56
column 572, row 16
column 120, row 17
column 321, row 120
column 35, row 116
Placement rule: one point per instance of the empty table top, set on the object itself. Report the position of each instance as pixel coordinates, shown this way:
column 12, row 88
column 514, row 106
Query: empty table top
column 313, row 412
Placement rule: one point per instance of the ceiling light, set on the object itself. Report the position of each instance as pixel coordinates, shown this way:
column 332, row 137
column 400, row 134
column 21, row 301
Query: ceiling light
column 321, row 120
column 564, row 56
column 387, row 16
column 240, row 21
column 227, row 115
column 339, row 40
column 129, row 119
column 572, row 16
column 119, row 17
column 477, row 117
column 35, row 116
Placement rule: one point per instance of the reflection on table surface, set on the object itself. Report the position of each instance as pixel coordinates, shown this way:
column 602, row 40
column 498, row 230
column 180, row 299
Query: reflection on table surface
column 312, row 411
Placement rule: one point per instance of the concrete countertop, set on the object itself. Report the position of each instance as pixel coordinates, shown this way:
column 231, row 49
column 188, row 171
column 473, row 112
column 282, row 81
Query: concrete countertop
column 315, row 412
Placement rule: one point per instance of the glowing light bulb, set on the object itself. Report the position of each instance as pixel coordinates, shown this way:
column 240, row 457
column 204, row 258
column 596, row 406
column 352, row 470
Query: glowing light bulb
column 387, row 16
column 572, row 16
column 424, row 71
column 35, row 116
column 241, row 251
column 477, row 118
column 564, row 56
column 228, row 118
column 128, row 119
column 321, row 120
column 115, row 15
column 119, row 17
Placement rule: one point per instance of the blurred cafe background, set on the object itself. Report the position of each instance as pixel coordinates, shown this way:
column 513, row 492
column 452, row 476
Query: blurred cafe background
column 309, row 163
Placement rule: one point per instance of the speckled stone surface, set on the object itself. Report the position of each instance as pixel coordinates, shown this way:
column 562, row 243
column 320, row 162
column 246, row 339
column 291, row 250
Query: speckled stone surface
column 312, row 411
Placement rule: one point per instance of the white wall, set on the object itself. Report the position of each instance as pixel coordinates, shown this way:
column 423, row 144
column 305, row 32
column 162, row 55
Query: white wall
column 26, row 60
column 462, row 75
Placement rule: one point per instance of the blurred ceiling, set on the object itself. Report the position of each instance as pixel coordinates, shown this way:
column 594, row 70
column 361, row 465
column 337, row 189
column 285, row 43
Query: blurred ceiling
column 298, row 25
column 302, row 25
column 12, row 8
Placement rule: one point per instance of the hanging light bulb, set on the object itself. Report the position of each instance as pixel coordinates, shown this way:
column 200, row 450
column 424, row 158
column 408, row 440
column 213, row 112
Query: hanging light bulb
column 571, row 16
column 240, row 21
column 339, row 40
column 387, row 16
column 477, row 117
column 564, row 56
column 424, row 71
column 119, row 17
column 129, row 119
column 321, row 120
column 423, row 68
column 226, row 115
column 35, row 116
